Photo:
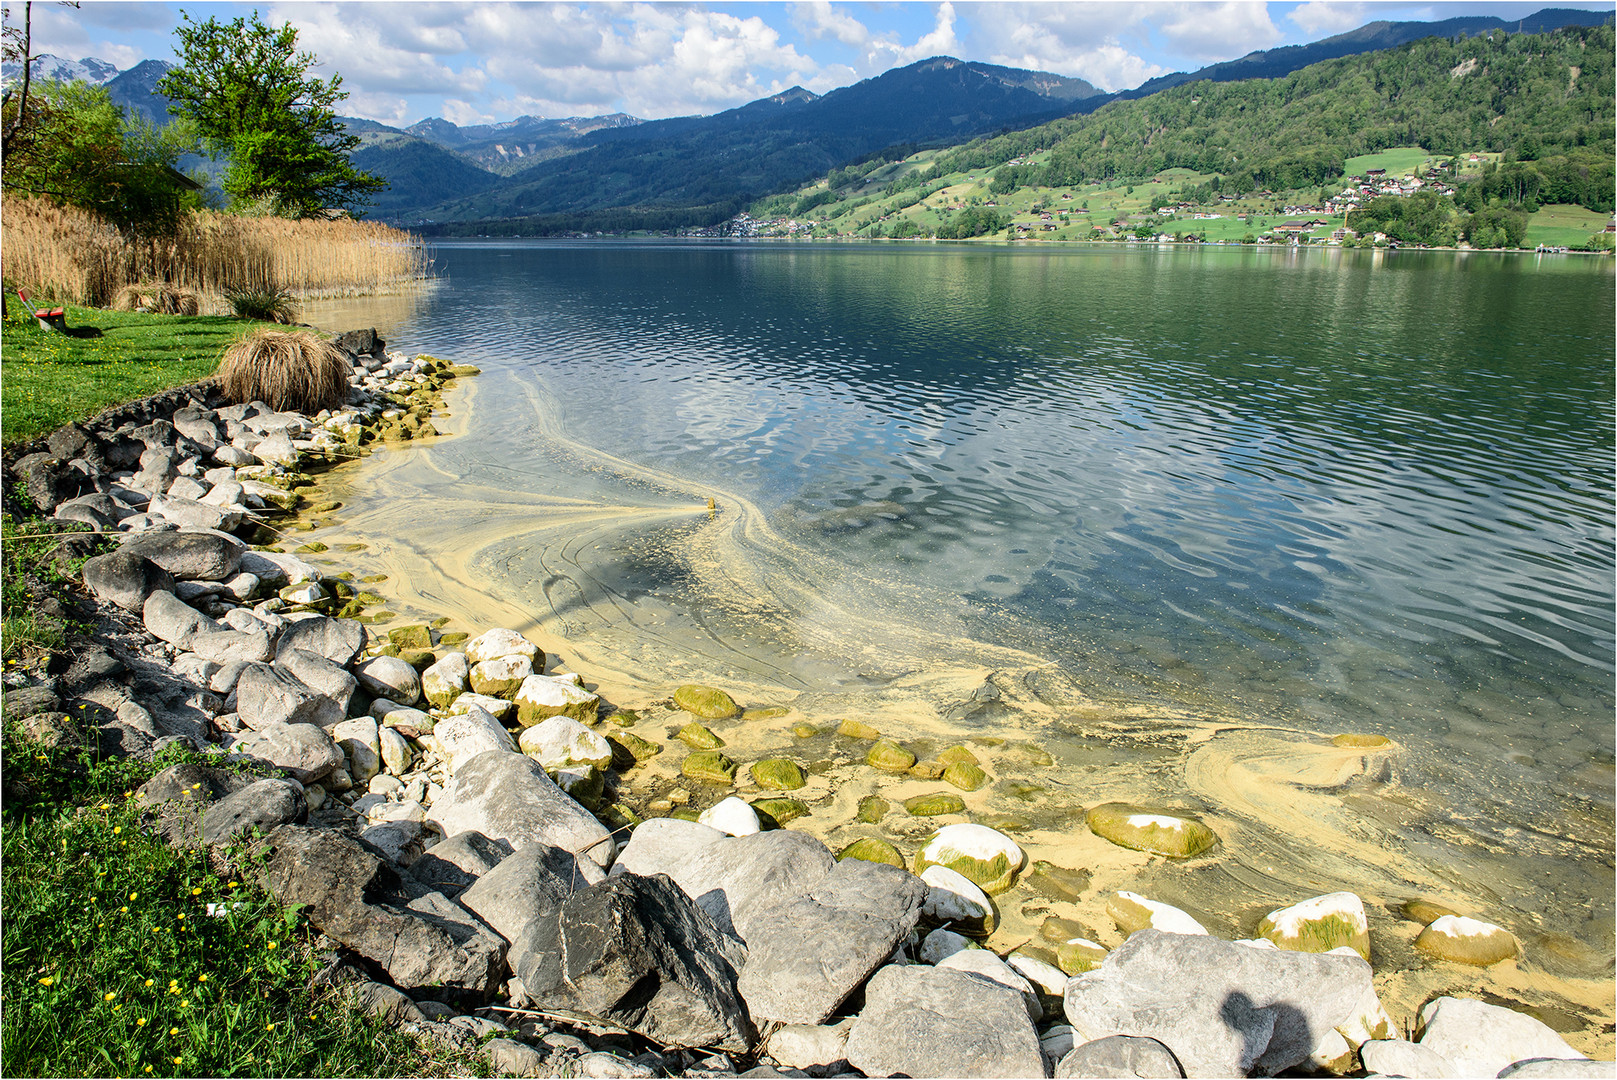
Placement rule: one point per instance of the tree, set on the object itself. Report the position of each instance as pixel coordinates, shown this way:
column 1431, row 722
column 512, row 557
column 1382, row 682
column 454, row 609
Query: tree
column 247, row 89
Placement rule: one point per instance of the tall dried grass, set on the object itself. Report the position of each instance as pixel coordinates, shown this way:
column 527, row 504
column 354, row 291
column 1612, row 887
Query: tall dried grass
column 159, row 297
column 287, row 371
column 71, row 255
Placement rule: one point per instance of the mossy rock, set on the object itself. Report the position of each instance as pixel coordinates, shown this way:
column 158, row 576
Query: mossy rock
column 420, row 659
column 1056, row 929
column 440, row 622
column 936, row 804
column 872, row 808
column 888, row 756
column 1029, row 754
column 414, row 636
column 805, row 730
column 625, row 718
column 986, row 856
column 697, row 737
column 1467, row 941
column 629, row 750
column 987, row 740
column 585, row 783
column 764, row 712
column 873, row 849
column 777, row 774
column 313, row 547
column 1319, row 924
column 460, row 371
column 964, row 775
column 369, row 598
column 927, row 770
column 1078, row 956
column 1425, row 912
column 1057, row 882
column 1361, row 742
column 1155, row 831
column 710, row 767
column 706, row 702
column 372, row 579
column 349, row 549
column 325, row 507
column 960, row 754
column 1133, row 912
column 686, row 813
column 854, row 729
column 351, row 610
column 775, row 813
column 340, row 589
column 1021, row 790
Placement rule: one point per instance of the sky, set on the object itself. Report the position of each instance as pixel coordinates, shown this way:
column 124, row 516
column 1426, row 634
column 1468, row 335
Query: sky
column 475, row 63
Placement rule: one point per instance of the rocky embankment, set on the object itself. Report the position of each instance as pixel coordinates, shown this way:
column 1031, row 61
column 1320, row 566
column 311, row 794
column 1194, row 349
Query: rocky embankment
column 435, row 803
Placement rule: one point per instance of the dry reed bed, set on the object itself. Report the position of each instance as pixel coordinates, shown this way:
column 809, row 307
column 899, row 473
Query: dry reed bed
column 71, row 255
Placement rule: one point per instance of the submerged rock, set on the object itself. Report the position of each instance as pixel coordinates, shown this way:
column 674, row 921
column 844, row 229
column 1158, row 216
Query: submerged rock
column 710, row 767
column 1160, row 833
column 777, row 774
column 706, row 702
column 873, row 849
column 1467, row 941
column 1320, row 925
column 985, row 856
column 1133, row 912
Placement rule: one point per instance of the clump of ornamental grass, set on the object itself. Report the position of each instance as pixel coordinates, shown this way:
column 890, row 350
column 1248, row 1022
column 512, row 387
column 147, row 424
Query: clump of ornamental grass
column 157, row 297
column 266, row 303
column 288, row 371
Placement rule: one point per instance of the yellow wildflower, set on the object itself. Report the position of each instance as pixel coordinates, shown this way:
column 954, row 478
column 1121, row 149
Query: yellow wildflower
column 197, row 891
column 202, row 978
column 148, row 982
column 116, row 829
column 185, row 1003
column 141, row 1022
column 173, row 1031
column 270, row 1026
column 271, row 945
column 123, row 910
column 46, row 981
column 108, row 996
column 133, row 897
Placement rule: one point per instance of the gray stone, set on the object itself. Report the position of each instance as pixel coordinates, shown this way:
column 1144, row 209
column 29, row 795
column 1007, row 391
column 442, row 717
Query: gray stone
column 277, row 449
column 318, row 674
column 446, row 680
column 740, row 877
column 507, row 1057
column 1560, row 1069
column 338, row 640
column 233, row 646
column 262, row 806
column 28, row 700
column 506, row 796
column 400, row 841
column 987, row 965
column 303, row 750
column 1481, row 1039
column 396, row 752
column 662, row 845
column 277, row 569
column 636, row 952
column 1399, row 1057
column 924, row 1021
column 529, row 885
column 125, row 578
column 175, row 621
column 190, row 556
column 822, row 1048
column 185, row 487
column 601, row 1065
column 193, row 512
column 450, row 865
column 1223, row 1009
column 390, row 677
column 1119, row 1055
column 360, row 740
column 266, row 695
column 464, row 736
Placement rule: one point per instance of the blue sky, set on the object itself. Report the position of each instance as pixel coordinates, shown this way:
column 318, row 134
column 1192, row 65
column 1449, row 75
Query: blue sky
column 482, row 62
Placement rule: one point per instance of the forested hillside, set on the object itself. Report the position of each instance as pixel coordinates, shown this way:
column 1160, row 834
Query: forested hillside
column 1546, row 99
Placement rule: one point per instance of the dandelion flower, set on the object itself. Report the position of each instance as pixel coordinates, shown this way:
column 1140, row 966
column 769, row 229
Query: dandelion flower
column 148, row 1068
column 181, row 915
column 148, row 982
column 123, row 910
column 106, row 806
column 271, row 945
column 46, row 981
column 185, row 1003
column 174, row 982
column 173, row 1031
column 270, row 1026
column 232, row 884
column 133, row 897
column 202, row 978
column 108, row 996
column 177, row 1060
column 140, row 1022
column 197, row 891
column 116, row 829
column 118, row 1007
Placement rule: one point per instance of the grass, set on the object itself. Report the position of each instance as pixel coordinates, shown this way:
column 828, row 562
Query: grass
column 52, row 379
column 1398, row 161
column 29, row 563
column 1560, row 225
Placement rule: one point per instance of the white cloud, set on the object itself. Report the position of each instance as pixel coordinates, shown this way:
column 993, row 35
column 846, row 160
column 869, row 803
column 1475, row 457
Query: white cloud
column 1322, row 18
column 1099, row 42
column 464, row 114
column 887, row 51
column 390, row 47
column 1219, row 31
column 819, row 19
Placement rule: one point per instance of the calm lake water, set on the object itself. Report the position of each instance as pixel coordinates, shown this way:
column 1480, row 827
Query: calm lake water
column 1338, row 491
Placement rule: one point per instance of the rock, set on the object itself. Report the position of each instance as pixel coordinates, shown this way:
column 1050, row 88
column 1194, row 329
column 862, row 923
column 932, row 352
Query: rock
column 937, row 804
column 942, row 943
column 390, row 677
column 1320, row 925
column 451, row 865
column 276, row 569
column 446, row 680
column 267, row 696
column 706, row 702
column 641, row 955
column 1397, row 1057
column 1049, row 980
column 428, row 946
column 872, row 808
column 873, row 849
column 1222, row 1008
column 173, row 620
column 540, row 697
column 277, row 449
column 629, row 750
column 987, row 857
column 698, row 737
column 1481, row 1039
column 1161, row 833
column 985, row 965
column 303, row 750
column 414, row 636
column 921, row 1021
column 661, row 845
column 338, row 640
column 386, row 1003
column 261, row 806
column 854, row 729
column 502, row 710
column 501, row 642
column 1559, row 1069
column 125, row 578
column 1078, row 955
column 1467, row 941
column 888, row 756
column 530, row 884
column 585, row 784
column 1133, row 912
column 737, row 879
column 506, row 796
column 400, row 839
column 732, row 816
column 777, row 774
column 965, row 776
column 396, row 752
column 189, row 556
column 233, row 646
column 464, row 736
column 776, row 813
column 1119, row 1055
column 501, row 677
column 192, row 512
column 561, row 741
column 709, row 767
column 507, row 1057
column 318, row 674
column 954, row 901
column 601, row 1065
column 361, row 741
column 820, row 1047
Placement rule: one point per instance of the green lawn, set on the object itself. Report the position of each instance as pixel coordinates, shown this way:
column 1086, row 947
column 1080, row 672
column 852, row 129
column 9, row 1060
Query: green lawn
column 1399, row 161
column 51, row 379
column 1561, row 225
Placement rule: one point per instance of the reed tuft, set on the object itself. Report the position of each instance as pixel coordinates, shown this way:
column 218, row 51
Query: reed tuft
column 294, row 371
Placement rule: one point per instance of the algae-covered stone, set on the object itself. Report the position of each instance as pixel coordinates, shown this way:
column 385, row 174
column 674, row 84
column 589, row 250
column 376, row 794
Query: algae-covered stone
column 1028, row 753
column 583, row 782
column 499, row 708
column 853, row 729
column 561, row 742
column 501, row 677
column 777, row 774
column 420, row 659
column 415, row 636
column 1361, row 742
column 454, row 637
column 710, row 767
column 706, row 702
column 964, row 775
column 872, row 808
column 697, row 737
column 1319, row 925
column 805, row 730
column 1467, row 941
column 764, row 712
column 888, row 756
column 1079, row 955
column 926, row 770
column 1056, row 929
column 543, row 696
column 1425, row 912
column 960, row 754
column 625, row 718
column 776, row 812
column 499, row 642
column 1132, row 912
column 1160, row 833
column 629, row 749
column 686, row 813
column 935, row 805
column 617, row 816
column 873, row 849
column 1057, row 882
column 955, row 901
column 986, row 856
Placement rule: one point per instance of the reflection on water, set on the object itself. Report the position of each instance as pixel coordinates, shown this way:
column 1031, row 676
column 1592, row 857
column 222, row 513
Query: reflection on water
column 386, row 313
column 1323, row 491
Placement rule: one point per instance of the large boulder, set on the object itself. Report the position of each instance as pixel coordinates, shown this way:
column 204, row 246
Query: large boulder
column 637, row 953
column 506, row 796
column 303, row 750
column 530, row 884
column 261, row 806
column 318, row 674
column 125, row 578
column 493, row 644
column 233, row 646
column 989, row 858
column 925, row 1021
column 561, row 741
column 464, row 736
column 446, row 680
column 1223, row 1009
column 987, row 965
column 190, row 556
column 1320, row 924
column 452, row 864
column 266, row 696
column 539, row 697
column 1119, row 1055
column 338, row 640
column 172, row 619
column 1481, row 1039
column 662, row 845
column 390, row 677
column 739, row 879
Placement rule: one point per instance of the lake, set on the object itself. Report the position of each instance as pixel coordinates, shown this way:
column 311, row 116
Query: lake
column 1177, row 515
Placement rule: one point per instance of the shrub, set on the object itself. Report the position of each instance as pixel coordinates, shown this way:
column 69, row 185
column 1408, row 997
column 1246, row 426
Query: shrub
column 285, row 370
column 160, row 298
column 266, row 303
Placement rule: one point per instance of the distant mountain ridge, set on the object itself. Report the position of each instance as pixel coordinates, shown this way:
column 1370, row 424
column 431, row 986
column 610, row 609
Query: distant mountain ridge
column 56, row 69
